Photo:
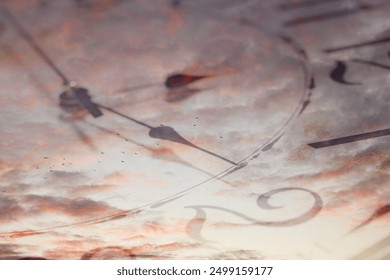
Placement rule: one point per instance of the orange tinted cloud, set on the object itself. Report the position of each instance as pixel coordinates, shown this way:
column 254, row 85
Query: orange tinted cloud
column 91, row 189
column 9, row 251
column 78, row 207
column 25, row 233
column 134, row 179
column 10, row 210
column 157, row 228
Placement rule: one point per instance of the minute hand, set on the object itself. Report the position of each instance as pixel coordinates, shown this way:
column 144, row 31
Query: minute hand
column 72, row 91
column 166, row 133
column 29, row 39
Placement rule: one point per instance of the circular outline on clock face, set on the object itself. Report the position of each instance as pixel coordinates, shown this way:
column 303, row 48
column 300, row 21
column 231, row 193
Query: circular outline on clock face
column 308, row 85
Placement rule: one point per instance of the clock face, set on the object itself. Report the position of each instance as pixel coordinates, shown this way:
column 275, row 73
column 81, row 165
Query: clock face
column 194, row 129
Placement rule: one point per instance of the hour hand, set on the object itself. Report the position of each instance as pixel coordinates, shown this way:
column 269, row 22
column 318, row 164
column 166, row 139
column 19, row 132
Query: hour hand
column 84, row 98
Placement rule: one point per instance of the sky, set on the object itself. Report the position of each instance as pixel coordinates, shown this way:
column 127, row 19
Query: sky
column 242, row 181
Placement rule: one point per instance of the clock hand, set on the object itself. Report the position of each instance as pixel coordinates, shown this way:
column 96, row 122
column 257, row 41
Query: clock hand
column 29, row 39
column 140, row 87
column 124, row 116
column 159, row 153
column 68, row 119
column 177, row 85
column 73, row 97
column 72, row 92
column 85, row 99
column 166, row 133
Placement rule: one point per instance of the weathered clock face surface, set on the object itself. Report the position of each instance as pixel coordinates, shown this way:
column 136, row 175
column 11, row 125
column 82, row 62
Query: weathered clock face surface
column 194, row 129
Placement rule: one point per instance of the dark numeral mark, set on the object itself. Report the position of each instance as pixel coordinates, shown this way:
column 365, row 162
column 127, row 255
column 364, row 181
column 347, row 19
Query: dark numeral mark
column 349, row 139
column 337, row 74
column 326, row 16
column 358, row 45
column 303, row 4
column 371, row 63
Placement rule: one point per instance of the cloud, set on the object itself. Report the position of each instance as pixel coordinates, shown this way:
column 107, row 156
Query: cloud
column 9, row 251
column 48, row 174
column 15, row 210
column 145, row 251
column 78, row 207
column 134, row 179
column 157, row 228
column 16, row 189
column 85, row 190
column 25, row 233
column 10, row 210
column 4, row 166
column 70, row 177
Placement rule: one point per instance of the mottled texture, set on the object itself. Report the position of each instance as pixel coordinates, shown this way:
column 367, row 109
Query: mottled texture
column 203, row 169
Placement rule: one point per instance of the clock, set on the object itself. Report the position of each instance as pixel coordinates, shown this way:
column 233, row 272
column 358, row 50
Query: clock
column 193, row 129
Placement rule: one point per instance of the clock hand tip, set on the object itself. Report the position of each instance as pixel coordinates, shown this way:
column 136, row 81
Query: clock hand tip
column 181, row 79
